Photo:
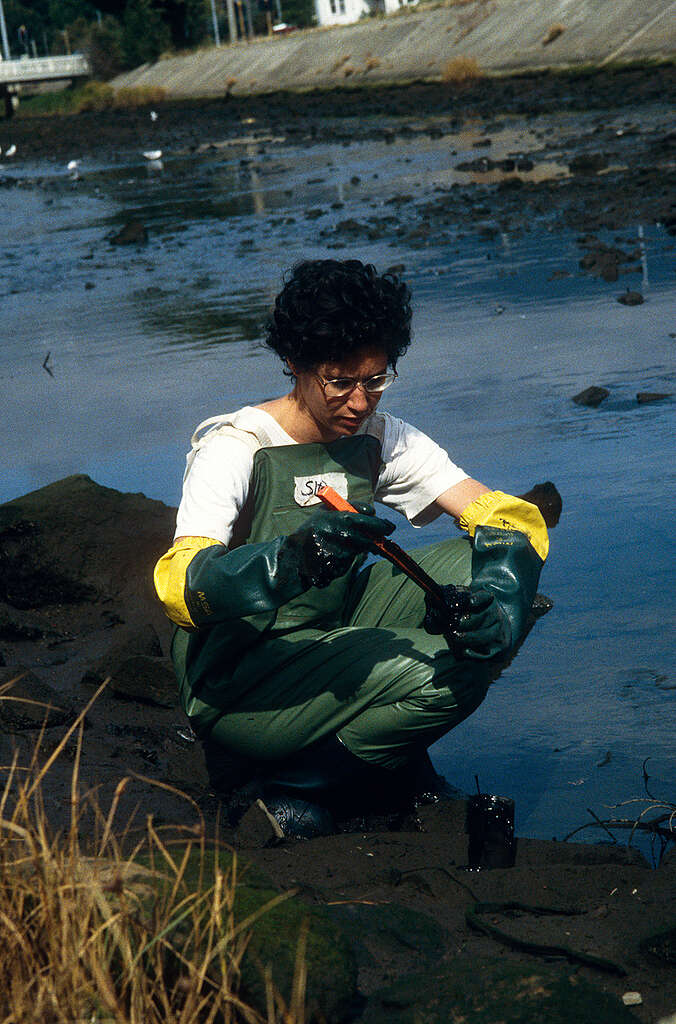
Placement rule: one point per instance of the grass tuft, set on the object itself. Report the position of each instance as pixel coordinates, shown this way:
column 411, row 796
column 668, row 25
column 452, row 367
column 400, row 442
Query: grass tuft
column 461, row 70
column 130, row 927
column 554, row 31
column 92, row 96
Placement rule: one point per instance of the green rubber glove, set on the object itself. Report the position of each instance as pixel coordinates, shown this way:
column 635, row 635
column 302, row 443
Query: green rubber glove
column 488, row 619
column 327, row 544
column 473, row 623
column 506, row 566
column 254, row 578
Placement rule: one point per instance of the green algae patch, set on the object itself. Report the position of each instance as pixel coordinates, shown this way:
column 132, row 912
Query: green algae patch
column 228, row 911
column 492, row 991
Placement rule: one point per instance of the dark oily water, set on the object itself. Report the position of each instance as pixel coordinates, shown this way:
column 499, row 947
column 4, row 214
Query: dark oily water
column 146, row 339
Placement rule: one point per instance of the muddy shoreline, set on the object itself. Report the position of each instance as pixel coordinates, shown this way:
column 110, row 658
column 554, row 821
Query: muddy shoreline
column 619, row 170
column 305, row 116
column 77, row 608
column 77, row 613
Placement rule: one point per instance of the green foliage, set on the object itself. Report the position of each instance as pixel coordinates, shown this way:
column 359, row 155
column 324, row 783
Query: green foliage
column 95, row 96
column 118, row 34
column 298, row 12
column 104, row 48
column 145, row 35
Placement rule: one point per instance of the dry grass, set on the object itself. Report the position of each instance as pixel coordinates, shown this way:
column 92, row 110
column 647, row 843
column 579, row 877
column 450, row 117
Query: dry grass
column 92, row 96
column 99, row 936
column 338, row 64
column 461, row 70
column 554, row 31
column 139, row 96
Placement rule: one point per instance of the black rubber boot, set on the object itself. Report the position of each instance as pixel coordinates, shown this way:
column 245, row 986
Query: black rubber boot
column 327, row 776
column 299, row 818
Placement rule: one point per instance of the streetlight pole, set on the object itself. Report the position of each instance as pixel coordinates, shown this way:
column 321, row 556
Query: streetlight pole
column 214, row 19
column 3, row 30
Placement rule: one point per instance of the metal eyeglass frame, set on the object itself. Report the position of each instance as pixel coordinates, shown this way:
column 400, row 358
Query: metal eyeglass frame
column 392, row 376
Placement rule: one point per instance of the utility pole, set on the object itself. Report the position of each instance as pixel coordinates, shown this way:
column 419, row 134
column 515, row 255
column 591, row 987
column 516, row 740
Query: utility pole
column 214, row 19
column 3, row 29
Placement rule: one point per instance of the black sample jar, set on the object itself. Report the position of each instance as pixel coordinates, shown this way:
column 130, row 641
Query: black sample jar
column 490, row 828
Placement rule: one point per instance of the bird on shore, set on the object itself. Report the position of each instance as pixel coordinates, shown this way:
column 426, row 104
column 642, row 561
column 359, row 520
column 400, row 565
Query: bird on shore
column 153, row 115
column 11, row 150
column 153, row 154
column 72, row 168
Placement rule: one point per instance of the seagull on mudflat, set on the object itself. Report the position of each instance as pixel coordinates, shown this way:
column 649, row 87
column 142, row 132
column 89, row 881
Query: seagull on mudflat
column 11, row 151
column 153, row 154
column 153, row 115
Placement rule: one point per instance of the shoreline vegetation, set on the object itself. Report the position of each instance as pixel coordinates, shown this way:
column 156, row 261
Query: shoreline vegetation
column 459, row 75
column 130, row 921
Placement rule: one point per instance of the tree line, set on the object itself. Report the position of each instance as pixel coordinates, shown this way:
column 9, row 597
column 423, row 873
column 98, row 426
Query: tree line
column 121, row 34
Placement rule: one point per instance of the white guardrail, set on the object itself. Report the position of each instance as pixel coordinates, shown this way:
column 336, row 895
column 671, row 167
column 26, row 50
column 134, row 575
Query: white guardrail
column 43, row 69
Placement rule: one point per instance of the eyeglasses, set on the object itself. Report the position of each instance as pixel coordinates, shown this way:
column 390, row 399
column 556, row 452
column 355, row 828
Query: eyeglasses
column 341, row 387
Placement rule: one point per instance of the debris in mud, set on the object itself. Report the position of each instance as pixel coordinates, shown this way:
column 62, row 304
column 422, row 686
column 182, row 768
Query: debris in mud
column 631, row 298
column 134, row 232
column 591, row 396
column 588, row 163
column 644, row 397
column 605, row 261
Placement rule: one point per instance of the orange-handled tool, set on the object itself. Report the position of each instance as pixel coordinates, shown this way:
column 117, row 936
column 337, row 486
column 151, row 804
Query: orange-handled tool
column 389, row 550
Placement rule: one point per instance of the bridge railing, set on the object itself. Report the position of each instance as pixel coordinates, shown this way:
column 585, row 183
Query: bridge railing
column 43, row 69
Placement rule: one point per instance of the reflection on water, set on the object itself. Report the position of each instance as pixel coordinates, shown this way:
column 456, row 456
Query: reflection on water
column 148, row 340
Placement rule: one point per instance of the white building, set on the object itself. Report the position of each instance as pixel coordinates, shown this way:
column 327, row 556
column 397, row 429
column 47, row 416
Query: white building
column 345, row 12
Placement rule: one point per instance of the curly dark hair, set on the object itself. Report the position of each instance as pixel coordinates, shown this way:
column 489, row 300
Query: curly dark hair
column 329, row 309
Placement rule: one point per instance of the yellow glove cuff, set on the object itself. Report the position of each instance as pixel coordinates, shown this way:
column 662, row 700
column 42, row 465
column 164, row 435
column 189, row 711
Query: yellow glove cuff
column 169, row 577
column 504, row 511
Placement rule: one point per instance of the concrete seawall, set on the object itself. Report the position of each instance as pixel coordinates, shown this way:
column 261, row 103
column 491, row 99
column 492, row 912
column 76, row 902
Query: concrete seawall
column 502, row 36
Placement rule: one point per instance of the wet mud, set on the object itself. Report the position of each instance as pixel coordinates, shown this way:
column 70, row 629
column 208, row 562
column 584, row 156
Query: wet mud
column 619, row 170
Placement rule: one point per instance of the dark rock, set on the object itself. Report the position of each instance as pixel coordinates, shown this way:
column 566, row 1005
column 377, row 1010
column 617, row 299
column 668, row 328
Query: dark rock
column 591, row 396
column 75, row 541
column 547, row 498
column 137, row 670
column 26, row 701
column 509, row 993
column 134, row 232
column 631, row 298
column 588, row 163
column 604, row 261
column 643, row 397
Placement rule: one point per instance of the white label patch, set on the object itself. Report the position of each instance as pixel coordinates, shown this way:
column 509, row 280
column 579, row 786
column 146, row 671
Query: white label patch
column 306, row 487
